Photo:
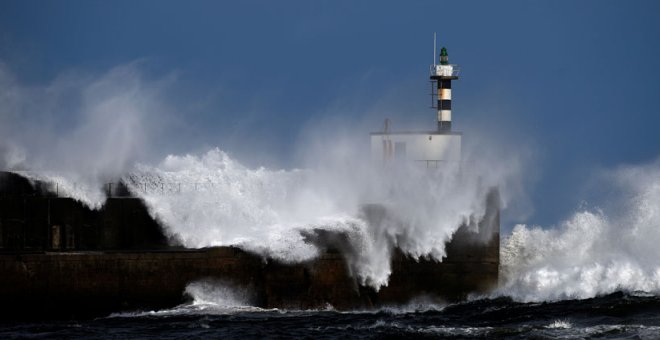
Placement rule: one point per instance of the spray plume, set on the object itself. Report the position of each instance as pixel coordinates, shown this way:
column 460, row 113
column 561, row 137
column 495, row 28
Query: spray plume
column 80, row 130
column 595, row 251
column 210, row 199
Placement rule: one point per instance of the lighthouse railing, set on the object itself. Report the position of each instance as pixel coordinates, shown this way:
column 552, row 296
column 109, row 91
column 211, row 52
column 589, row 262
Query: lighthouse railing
column 447, row 72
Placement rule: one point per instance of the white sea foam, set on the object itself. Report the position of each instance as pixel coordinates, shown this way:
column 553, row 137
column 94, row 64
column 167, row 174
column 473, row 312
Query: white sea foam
column 218, row 294
column 212, row 200
column 595, row 251
column 559, row 324
column 208, row 297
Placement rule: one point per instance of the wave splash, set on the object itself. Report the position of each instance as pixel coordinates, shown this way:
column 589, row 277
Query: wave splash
column 594, row 252
column 212, row 200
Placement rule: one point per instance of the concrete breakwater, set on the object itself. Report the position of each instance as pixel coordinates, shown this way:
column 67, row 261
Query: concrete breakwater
column 61, row 259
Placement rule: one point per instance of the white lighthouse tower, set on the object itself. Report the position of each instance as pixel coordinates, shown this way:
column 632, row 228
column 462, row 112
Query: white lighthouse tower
column 428, row 148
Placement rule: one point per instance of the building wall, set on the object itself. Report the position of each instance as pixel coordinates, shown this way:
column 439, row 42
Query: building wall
column 418, row 147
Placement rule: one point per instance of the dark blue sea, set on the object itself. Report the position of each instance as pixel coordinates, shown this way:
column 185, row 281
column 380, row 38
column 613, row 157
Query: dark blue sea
column 619, row 315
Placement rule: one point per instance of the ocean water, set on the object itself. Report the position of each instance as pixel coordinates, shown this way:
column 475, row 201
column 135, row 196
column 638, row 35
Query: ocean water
column 617, row 315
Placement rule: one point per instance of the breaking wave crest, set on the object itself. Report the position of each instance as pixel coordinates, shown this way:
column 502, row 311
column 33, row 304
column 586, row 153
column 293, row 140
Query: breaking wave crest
column 212, row 200
column 595, row 251
column 208, row 297
column 219, row 295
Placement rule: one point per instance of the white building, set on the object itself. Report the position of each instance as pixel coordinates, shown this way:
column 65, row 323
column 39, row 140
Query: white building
column 430, row 148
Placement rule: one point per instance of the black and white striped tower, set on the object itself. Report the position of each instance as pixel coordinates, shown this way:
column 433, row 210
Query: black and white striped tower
column 442, row 74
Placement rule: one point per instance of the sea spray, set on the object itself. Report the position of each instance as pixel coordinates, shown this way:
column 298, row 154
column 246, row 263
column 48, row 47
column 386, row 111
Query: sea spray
column 81, row 127
column 212, row 200
column 120, row 117
column 218, row 294
column 86, row 190
column 595, row 251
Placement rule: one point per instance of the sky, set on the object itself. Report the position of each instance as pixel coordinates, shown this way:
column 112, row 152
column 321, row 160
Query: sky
column 573, row 83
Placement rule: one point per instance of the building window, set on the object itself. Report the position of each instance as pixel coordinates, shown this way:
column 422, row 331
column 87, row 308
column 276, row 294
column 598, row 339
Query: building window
column 400, row 150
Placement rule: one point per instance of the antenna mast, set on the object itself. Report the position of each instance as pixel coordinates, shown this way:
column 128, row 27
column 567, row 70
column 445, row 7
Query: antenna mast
column 434, row 40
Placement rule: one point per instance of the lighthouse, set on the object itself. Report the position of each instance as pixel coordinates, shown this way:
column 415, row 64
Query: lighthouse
column 431, row 148
column 442, row 74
